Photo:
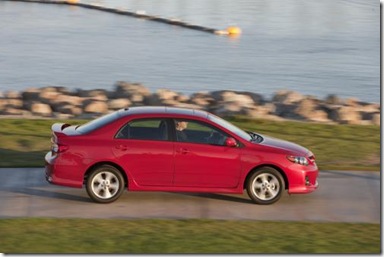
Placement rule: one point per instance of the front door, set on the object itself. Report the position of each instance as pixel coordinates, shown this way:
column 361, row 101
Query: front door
column 202, row 159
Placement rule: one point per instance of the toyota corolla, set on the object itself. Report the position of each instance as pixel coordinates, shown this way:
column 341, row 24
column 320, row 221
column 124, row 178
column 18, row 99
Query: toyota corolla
column 175, row 150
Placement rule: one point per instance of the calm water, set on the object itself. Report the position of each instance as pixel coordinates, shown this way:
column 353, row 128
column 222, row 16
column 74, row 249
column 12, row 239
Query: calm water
column 315, row 47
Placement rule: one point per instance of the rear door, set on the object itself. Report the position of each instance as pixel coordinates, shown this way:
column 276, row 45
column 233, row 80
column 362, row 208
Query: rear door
column 144, row 149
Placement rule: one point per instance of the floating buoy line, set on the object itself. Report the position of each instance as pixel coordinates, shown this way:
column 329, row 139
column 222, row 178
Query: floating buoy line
column 230, row 31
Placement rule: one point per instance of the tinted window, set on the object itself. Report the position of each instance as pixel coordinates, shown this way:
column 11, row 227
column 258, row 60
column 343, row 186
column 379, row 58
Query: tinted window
column 198, row 132
column 144, row 129
column 98, row 123
column 239, row 132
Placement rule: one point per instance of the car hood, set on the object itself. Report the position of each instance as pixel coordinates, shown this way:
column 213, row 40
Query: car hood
column 284, row 145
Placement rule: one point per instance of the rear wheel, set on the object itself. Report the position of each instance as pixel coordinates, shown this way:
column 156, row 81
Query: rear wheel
column 265, row 185
column 105, row 184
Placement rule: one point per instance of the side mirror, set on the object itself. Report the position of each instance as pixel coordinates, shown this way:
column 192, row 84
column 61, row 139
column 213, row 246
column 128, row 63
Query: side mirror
column 230, row 142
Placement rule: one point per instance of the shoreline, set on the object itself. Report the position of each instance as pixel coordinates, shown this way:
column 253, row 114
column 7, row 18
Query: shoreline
column 64, row 103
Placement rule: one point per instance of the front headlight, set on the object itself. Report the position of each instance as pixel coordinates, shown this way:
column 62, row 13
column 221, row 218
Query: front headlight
column 298, row 159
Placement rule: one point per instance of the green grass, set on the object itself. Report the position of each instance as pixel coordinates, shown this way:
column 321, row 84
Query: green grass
column 42, row 235
column 24, row 142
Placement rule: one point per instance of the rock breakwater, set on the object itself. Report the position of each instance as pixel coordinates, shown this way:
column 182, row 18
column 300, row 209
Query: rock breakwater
column 63, row 103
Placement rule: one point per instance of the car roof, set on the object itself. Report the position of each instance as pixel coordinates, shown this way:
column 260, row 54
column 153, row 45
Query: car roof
column 163, row 110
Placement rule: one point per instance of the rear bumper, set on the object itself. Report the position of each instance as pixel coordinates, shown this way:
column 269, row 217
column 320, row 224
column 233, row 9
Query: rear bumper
column 58, row 173
column 49, row 164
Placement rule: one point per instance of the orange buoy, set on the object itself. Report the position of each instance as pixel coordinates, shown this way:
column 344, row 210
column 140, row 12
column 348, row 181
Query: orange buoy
column 232, row 30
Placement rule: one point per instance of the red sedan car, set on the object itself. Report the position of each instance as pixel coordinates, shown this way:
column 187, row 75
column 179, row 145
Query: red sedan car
column 175, row 150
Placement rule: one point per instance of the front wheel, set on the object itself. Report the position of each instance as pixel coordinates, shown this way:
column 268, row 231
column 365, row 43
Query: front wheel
column 105, row 184
column 265, row 185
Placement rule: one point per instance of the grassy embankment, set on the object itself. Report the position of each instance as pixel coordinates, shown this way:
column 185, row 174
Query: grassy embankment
column 185, row 236
column 23, row 142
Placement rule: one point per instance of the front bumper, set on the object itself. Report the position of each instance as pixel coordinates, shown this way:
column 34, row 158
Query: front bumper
column 305, row 181
column 304, row 189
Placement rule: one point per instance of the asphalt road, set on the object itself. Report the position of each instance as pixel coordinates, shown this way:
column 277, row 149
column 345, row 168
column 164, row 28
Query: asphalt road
column 341, row 197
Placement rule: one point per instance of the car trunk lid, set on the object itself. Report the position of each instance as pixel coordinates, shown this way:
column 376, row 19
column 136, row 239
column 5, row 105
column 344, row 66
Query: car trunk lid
column 59, row 132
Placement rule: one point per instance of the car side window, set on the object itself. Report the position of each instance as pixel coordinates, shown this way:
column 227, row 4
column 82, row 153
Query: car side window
column 198, row 132
column 145, row 129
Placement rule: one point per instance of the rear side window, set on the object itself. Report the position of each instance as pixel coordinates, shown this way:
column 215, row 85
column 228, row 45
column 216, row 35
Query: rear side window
column 145, row 129
column 98, row 123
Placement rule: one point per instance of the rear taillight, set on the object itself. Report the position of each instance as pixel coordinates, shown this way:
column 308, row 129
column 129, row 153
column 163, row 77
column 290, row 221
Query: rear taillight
column 58, row 148
column 57, row 145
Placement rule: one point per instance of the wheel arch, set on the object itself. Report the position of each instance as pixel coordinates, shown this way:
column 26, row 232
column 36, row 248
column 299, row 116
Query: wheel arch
column 99, row 164
column 254, row 169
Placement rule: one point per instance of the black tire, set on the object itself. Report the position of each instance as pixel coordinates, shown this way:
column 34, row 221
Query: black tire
column 105, row 184
column 265, row 185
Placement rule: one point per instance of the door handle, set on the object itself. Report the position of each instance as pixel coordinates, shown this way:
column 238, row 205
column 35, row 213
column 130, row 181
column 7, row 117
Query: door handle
column 183, row 151
column 122, row 147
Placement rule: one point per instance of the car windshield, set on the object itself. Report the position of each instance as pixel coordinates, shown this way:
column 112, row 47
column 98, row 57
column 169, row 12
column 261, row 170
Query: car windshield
column 239, row 132
column 98, row 123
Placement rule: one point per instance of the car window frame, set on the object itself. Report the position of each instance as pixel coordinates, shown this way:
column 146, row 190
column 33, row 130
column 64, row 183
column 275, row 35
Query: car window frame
column 207, row 124
column 167, row 120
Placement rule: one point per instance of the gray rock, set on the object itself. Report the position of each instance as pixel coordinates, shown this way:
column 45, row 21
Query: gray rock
column 352, row 102
column 31, row 94
column 182, row 98
column 376, row 119
column 162, row 97
column 69, row 109
column 68, row 99
column 166, row 94
column 125, row 90
column 96, row 94
column 257, row 98
column 116, row 104
column 13, row 111
column 92, row 106
column 12, row 95
column 202, row 99
column 305, row 108
column 333, row 100
column 287, row 97
column 189, row 106
column 345, row 114
column 14, row 103
column 232, row 96
column 287, row 111
column 48, row 96
column 3, row 103
column 319, row 116
column 229, row 109
column 41, row 109
column 55, row 101
column 136, row 98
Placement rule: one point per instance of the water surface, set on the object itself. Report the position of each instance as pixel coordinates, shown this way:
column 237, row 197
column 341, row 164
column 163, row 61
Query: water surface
column 314, row 47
